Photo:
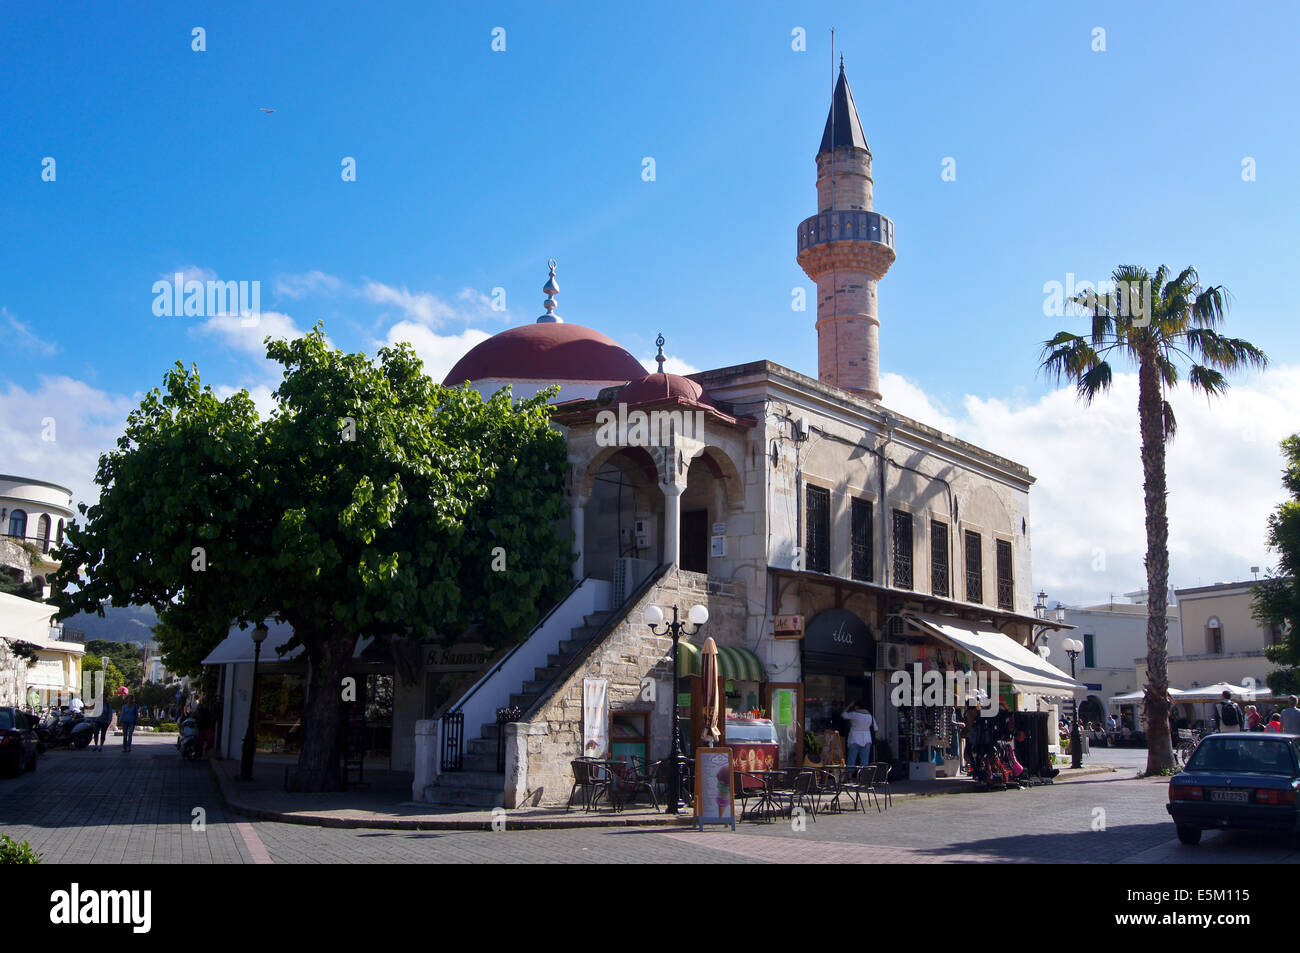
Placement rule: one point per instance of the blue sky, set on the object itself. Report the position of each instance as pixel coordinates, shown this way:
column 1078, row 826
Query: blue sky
column 475, row 166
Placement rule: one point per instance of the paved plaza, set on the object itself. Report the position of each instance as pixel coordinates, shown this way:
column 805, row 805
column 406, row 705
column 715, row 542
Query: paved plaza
column 89, row 807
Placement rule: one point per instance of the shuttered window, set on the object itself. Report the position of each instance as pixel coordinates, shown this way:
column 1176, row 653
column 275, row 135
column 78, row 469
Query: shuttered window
column 862, row 568
column 939, row 558
column 974, row 568
column 902, row 549
column 1006, row 588
column 817, row 532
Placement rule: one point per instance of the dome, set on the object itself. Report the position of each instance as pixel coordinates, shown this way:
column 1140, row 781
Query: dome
column 653, row 388
column 547, row 352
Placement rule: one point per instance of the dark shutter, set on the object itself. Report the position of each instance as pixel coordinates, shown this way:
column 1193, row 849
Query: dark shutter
column 1005, row 576
column 902, row 549
column 863, row 550
column 939, row 558
column 974, row 568
column 818, row 528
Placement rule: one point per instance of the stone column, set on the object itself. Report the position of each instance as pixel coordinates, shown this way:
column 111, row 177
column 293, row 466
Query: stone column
column 426, row 757
column 672, row 521
column 576, row 522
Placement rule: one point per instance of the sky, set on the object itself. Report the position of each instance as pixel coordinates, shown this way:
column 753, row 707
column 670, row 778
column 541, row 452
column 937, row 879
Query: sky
column 1014, row 145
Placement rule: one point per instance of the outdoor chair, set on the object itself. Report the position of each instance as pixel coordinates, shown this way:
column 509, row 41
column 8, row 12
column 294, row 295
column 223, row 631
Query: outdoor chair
column 865, row 787
column 827, row 784
column 591, row 779
column 799, row 793
column 631, row 780
column 852, row 784
column 881, row 781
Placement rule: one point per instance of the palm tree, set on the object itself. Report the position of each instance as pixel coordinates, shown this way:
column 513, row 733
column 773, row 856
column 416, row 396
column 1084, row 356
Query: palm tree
column 1157, row 323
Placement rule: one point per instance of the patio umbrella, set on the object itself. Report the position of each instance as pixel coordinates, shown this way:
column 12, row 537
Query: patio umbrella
column 712, row 703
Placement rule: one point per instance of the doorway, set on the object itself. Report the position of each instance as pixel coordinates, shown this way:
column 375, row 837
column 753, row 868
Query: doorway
column 694, row 554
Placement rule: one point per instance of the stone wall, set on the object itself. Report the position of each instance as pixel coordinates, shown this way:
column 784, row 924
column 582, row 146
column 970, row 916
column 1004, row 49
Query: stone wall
column 539, row 752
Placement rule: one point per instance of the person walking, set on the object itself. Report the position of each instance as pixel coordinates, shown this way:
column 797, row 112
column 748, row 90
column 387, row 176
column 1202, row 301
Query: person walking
column 127, row 719
column 103, row 721
column 1291, row 717
column 1227, row 714
column 862, row 727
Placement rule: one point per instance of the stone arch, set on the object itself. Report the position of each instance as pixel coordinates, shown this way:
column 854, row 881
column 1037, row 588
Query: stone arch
column 638, row 456
column 723, row 469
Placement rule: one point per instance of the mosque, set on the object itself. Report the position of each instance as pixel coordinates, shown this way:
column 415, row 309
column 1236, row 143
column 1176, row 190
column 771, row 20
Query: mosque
column 834, row 544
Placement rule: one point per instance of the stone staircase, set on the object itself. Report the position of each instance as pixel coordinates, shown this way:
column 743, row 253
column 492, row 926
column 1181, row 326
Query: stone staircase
column 480, row 784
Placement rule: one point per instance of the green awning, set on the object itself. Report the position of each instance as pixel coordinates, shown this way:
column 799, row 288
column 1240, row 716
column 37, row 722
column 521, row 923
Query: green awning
column 740, row 665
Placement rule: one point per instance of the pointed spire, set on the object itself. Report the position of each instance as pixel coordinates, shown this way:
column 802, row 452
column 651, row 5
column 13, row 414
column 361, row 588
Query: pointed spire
column 843, row 128
column 550, row 289
column 659, row 342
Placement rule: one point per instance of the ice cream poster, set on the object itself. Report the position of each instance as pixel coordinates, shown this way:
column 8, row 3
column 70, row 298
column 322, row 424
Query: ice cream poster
column 595, row 718
column 714, row 798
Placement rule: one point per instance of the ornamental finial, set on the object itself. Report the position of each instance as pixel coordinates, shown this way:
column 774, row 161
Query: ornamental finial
column 659, row 342
column 550, row 289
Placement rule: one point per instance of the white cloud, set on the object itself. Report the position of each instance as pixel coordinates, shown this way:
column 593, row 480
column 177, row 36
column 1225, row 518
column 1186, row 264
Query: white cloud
column 233, row 331
column 1088, row 518
column 308, row 283
column 82, row 422
column 190, row 273
column 438, row 352
column 673, row 365
column 21, row 335
column 430, row 309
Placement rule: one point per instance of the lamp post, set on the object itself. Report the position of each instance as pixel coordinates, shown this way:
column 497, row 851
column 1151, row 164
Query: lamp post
column 246, row 763
column 654, row 617
column 1072, row 648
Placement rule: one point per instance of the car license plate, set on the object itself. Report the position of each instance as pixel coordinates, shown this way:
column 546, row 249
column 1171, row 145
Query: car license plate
column 1230, row 796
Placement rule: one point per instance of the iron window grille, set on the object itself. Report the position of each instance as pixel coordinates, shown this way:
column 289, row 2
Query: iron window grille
column 818, row 533
column 902, row 549
column 974, row 569
column 1005, row 577
column 863, row 564
column 939, row 558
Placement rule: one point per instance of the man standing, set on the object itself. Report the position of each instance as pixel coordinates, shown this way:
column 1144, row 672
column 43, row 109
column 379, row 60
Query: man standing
column 1291, row 717
column 1227, row 715
column 127, row 719
column 861, row 732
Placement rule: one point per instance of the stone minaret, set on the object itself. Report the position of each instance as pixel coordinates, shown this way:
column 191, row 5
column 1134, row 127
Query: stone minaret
column 846, row 248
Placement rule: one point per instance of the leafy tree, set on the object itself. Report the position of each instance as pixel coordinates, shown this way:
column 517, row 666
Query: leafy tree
column 373, row 501
column 1156, row 323
column 1277, row 597
column 127, row 656
column 113, row 678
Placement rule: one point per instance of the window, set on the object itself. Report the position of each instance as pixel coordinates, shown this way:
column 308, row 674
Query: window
column 817, row 534
column 18, row 524
column 1214, row 636
column 43, row 531
column 1089, row 650
column 1006, row 587
column 974, row 569
column 863, row 537
column 902, row 549
column 939, row 558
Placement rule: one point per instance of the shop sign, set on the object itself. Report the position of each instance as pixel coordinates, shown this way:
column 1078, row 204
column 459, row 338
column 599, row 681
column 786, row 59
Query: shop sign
column 840, row 632
column 788, row 627
column 461, row 657
column 595, row 717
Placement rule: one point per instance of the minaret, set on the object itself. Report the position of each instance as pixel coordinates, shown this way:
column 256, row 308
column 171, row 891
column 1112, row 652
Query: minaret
column 846, row 248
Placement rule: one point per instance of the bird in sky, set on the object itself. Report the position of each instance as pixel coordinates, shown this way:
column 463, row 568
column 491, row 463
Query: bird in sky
column 265, row 110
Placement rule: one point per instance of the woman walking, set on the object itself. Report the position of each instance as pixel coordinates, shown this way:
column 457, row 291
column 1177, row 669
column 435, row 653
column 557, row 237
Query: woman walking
column 127, row 719
column 103, row 721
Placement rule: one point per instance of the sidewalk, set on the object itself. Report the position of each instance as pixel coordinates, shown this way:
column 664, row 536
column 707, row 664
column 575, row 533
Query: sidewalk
column 384, row 803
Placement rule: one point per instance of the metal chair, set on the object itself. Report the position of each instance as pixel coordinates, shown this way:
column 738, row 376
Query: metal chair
column 828, row 785
column 591, row 778
column 799, row 793
column 881, row 780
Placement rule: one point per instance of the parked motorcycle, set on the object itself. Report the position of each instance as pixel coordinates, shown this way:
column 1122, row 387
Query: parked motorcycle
column 187, row 742
column 69, row 729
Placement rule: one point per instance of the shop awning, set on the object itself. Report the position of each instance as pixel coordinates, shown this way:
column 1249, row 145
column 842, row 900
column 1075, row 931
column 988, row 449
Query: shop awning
column 740, row 665
column 1027, row 671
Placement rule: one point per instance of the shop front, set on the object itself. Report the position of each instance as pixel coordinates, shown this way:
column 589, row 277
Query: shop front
column 839, row 663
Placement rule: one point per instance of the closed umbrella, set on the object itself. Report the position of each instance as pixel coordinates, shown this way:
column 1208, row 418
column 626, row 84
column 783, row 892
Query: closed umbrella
column 712, row 703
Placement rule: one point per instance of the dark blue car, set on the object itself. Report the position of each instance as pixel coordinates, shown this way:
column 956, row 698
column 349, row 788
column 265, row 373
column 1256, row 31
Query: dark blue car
column 1241, row 780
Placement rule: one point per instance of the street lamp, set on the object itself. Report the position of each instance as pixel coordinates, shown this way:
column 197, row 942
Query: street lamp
column 246, row 764
column 654, row 617
column 1040, row 607
column 1072, row 648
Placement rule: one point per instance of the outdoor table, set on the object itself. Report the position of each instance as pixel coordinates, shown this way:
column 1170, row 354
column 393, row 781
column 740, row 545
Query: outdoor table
column 767, row 804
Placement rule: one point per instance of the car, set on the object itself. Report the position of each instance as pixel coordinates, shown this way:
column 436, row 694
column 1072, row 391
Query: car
column 18, row 742
column 1238, row 779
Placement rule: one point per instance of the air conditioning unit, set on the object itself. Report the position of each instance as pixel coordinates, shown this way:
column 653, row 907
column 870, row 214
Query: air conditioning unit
column 890, row 656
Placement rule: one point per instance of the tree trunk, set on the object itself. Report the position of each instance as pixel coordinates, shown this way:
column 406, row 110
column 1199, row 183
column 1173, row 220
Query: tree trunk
column 1156, row 701
column 319, row 767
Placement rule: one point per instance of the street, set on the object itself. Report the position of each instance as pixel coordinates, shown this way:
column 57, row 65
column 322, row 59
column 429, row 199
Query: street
column 89, row 807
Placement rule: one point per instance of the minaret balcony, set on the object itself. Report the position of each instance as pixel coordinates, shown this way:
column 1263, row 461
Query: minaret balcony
column 841, row 225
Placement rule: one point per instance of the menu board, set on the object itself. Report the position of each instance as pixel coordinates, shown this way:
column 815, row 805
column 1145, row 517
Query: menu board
column 714, row 800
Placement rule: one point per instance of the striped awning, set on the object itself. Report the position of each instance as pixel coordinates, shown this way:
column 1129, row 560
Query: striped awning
column 740, row 665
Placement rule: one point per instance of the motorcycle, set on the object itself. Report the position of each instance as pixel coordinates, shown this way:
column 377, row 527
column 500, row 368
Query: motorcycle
column 187, row 742
column 69, row 729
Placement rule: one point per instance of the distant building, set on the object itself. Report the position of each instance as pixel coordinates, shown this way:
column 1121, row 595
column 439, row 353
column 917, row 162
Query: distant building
column 1222, row 642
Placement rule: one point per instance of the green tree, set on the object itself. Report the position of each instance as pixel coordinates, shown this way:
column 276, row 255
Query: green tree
column 1277, row 597
column 127, row 656
column 373, row 501
column 113, row 678
column 1157, row 323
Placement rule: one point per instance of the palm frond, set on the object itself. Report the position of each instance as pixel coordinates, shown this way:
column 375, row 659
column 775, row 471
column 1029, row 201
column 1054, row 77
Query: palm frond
column 1169, row 421
column 1207, row 380
column 1210, row 306
column 1094, row 381
column 1226, row 353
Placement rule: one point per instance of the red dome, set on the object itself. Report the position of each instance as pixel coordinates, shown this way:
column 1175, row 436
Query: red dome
column 658, row 387
column 547, row 352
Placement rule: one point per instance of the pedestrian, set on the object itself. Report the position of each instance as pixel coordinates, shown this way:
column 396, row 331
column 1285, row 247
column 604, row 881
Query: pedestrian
column 206, row 724
column 103, row 721
column 1291, row 717
column 1110, row 722
column 127, row 719
column 1253, row 719
column 861, row 733
column 1227, row 714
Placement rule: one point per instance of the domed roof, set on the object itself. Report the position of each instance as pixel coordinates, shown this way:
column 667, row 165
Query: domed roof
column 547, row 352
column 660, row 386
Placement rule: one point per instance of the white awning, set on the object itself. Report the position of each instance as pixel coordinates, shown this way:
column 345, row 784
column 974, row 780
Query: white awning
column 1027, row 670
column 24, row 619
